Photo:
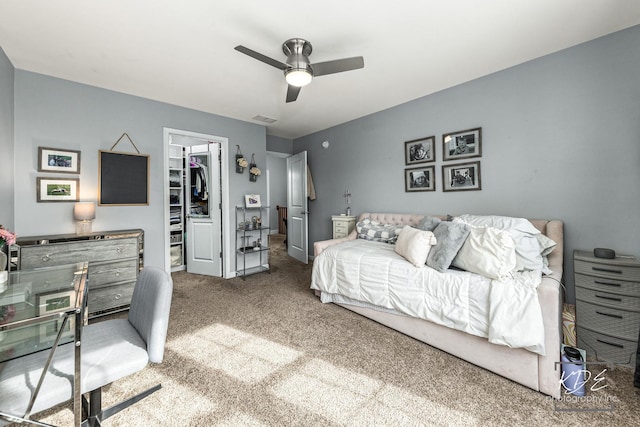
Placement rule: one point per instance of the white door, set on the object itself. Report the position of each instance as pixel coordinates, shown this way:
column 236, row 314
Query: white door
column 297, row 231
column 204, row 237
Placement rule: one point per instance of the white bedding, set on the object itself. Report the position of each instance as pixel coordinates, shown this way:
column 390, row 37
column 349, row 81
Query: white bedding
column 506, row 312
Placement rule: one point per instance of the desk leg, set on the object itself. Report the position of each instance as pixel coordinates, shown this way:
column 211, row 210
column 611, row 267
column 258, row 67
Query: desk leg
column 77, row 388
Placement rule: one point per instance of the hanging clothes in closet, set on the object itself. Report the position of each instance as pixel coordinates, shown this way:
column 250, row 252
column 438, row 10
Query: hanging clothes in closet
column 199, row 187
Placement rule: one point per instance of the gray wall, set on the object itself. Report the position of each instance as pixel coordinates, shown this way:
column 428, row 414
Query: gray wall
column 280, row 145
column 560, row 140
column 6, row 142
column 56, row 113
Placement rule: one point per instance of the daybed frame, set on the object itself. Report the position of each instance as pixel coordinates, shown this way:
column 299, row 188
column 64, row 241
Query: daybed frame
column 541, row 373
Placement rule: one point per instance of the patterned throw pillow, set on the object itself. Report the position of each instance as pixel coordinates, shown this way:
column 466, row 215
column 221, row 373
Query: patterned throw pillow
column 377, row 232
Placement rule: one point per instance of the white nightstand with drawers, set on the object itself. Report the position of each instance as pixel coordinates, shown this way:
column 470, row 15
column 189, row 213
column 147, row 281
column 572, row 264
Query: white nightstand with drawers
column 607, row 306
column 342, row 225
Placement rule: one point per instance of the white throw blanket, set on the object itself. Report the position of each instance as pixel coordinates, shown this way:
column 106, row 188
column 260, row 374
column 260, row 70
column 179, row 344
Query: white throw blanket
column 506, row 312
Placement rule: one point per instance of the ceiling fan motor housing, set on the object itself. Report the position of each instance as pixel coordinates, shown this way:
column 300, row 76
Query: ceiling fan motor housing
column 297, row 51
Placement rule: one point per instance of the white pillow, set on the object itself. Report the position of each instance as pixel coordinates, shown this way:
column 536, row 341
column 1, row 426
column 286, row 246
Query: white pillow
column 414, row 245
column 487, row 251
column 528, row 256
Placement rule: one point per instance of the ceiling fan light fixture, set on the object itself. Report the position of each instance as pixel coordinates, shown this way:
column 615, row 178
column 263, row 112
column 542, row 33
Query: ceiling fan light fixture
column 298, row 77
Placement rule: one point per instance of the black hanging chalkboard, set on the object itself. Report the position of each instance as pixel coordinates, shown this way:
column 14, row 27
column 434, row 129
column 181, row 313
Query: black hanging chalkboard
column 124, row 178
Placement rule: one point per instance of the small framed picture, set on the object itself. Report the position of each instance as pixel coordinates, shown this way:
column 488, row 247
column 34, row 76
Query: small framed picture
column 252, row 201
column 461, row 177
column 52, row 302
column 57, row 189
column 57, row 160
column 462, row 144
column 420, row 150
column 420, row 179
column 49, row 329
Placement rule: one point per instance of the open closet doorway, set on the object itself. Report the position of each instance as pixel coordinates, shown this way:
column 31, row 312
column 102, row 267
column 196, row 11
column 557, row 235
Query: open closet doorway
column 197, row 197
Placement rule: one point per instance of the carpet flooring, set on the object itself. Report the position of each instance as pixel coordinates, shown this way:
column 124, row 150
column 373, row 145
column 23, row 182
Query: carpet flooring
column 265, row 352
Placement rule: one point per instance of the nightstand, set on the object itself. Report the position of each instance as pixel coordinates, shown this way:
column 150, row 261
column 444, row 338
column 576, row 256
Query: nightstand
column 607, row 306
column 342, row 225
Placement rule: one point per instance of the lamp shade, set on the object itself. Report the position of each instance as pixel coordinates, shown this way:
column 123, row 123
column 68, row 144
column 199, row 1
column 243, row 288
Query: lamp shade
column 84, row 211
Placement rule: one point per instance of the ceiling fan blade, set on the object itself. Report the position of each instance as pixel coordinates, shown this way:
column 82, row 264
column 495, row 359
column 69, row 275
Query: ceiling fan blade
column 292, row 93
column 337, row 66
column 261, row 57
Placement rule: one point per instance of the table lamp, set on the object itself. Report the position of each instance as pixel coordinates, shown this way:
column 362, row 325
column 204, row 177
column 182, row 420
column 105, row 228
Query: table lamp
column 84, row 213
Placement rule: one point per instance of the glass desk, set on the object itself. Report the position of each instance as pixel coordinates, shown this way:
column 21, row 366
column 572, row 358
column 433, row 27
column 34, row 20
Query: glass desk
column 41, row 309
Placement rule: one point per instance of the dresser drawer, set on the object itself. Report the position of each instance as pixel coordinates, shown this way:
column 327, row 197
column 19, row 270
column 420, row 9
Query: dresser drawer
column 609, row 270
column 620, row 323
column 112, row 272
column 607, row 348
column 341, row 227
column 607, row 299
column 110, row 297
column 608, row 285
column 67, row 253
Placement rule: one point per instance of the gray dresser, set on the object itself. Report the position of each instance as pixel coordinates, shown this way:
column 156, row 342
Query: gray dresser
column 607, row 306
column 115, row 260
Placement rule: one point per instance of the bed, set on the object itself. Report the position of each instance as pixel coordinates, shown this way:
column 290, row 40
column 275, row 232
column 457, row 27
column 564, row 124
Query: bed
column 372, row 279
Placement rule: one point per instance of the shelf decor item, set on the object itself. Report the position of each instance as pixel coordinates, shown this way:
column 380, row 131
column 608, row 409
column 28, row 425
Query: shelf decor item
column 241, row 162
column 254, row 172
column 252, row 201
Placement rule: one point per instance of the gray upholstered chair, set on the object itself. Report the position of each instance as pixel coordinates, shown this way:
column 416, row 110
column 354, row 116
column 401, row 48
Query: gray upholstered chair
column 111, row 350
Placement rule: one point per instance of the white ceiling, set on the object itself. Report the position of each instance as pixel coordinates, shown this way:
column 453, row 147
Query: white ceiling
column 182, row 52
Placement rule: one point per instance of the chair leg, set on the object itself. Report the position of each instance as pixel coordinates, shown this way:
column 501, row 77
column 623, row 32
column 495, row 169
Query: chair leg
column 97, row 414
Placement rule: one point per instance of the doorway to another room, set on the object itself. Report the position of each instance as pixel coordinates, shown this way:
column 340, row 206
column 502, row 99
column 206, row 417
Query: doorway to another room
column 196, row 213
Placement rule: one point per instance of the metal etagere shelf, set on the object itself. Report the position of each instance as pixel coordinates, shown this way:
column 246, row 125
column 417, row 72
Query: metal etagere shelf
column 252, row 237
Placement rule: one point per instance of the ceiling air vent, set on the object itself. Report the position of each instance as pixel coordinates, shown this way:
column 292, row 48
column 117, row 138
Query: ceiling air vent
column 264, row 119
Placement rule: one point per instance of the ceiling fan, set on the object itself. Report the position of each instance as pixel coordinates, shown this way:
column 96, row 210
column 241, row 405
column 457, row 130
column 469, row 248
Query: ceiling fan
column 298, row 71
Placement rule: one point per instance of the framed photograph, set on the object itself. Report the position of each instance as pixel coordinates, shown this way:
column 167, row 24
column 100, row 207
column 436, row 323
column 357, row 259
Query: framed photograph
column 49, row 330
column 57, row 189
column 462, row 144
column 57, row 160
column 252, row 201
column 52, row 302
column 461, row 177
column 420, row 150
column 420, row 179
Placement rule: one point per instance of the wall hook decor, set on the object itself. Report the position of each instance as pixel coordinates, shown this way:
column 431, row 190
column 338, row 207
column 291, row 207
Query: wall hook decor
column 241, row 162
column 254, row 171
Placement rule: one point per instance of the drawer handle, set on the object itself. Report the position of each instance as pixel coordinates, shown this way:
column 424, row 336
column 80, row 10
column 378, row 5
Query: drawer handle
column 617, row 316
column 606, row 284
column 610, row 343
column 606, row 270
column 609, row 298
column 46, row 258
column 118, row 249
column 117, row 273
column 118, row 296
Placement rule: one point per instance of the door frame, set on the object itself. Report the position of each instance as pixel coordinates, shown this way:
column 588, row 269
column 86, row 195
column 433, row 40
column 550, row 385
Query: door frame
column 224, row 199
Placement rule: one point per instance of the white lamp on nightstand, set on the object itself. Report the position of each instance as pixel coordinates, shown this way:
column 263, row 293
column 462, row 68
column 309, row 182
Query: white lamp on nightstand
column 84, row 213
